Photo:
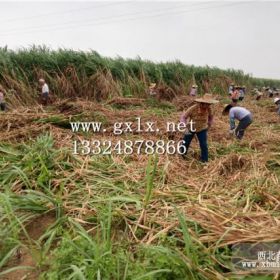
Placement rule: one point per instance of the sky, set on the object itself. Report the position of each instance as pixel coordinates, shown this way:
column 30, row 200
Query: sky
column 226, row 34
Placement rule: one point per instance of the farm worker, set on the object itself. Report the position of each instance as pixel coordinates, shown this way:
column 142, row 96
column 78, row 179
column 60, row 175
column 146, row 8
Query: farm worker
column 241, row 93
column 193, row 91
column 231, row 89
column 274, row 91
column 266, row 91
column 45, row 91
column 270, row 92
column 243, row 115
column 2, row 101
column 202, row 117
column 259, row 95
column 152, row 90
column 277, row 103
column 235, row 95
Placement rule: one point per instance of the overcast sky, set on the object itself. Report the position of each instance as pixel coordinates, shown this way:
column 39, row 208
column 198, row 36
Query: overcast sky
column 240, row 35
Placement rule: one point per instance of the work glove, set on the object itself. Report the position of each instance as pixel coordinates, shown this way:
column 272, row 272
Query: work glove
column 232, row 131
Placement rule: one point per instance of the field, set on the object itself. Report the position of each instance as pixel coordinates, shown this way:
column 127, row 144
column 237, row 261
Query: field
column 66, row 216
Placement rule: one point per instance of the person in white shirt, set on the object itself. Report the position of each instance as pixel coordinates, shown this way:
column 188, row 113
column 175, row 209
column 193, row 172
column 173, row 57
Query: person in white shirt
column 152, row 89
column 231, row 89
column 277, row 103
column 45, row 91
column 244, row 117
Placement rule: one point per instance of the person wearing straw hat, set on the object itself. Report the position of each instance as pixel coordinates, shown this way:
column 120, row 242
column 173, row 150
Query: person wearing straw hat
column 45, row 91
column 242, row 114
column 201, row 116
column 258, row 93
column 2, row 100
column 193, row 91
column 277, row 103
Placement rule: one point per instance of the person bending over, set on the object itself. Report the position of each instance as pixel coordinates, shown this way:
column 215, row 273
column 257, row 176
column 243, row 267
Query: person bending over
column 241, row 114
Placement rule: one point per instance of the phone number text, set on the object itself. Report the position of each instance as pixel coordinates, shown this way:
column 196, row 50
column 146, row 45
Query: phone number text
column 128, row 147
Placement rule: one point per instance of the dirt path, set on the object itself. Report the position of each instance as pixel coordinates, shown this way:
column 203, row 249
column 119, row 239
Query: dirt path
column 27, row 256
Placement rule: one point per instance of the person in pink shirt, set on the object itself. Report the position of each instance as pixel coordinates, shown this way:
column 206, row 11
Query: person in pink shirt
column 235, row 95
column 193, row 91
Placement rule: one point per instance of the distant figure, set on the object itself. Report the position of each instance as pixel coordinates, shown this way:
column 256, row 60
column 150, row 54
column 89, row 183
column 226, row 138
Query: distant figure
column 277, row 103
column 230, row 89
column 45, row 91
column 267, row 91
column 2, row 101
column 241, row 93
column 193, row 91
column 152, row 89
column 275, row 92
column 259, row 95
column 270, row 92
column 243, row 115
column 235, row 95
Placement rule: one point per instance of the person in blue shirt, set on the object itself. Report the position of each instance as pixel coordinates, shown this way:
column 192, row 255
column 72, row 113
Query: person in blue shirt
column 241, row 114
column 241, row 93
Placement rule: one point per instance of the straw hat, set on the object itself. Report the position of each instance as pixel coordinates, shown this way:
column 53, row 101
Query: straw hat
column 152, row 85
column 41, row 80
column 227, row 108
column 194, row 86
column 276, row 100
column 207, row 98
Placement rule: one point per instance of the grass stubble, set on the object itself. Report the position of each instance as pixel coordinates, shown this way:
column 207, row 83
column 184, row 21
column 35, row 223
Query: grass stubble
column 67, row 216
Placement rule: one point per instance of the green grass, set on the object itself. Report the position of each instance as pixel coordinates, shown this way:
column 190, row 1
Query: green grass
column 98, row 245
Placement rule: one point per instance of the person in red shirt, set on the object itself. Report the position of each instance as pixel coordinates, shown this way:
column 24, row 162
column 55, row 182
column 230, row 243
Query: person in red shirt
column 235, row 95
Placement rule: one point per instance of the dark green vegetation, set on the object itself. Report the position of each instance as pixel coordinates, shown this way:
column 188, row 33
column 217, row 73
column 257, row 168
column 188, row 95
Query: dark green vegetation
column 89, row 75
